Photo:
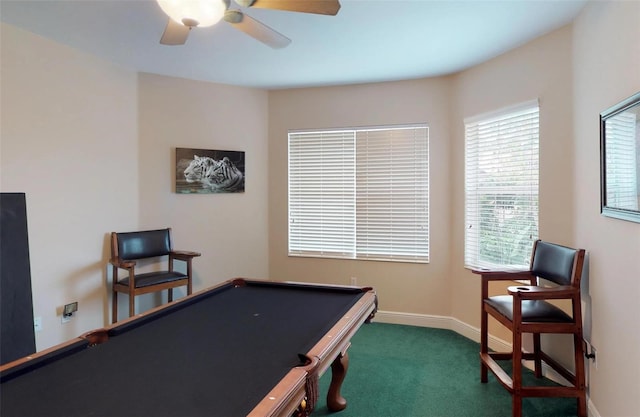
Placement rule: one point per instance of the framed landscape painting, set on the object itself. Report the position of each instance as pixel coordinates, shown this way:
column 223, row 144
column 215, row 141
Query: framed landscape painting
column 206, row 171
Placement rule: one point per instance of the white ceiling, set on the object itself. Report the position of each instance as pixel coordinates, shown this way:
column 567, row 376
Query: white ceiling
column 368, row 41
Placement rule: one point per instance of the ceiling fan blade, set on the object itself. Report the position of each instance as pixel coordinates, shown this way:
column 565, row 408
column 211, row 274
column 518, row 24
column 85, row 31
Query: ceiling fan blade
column 256, row 29
column 175, row 33
column 328, row 7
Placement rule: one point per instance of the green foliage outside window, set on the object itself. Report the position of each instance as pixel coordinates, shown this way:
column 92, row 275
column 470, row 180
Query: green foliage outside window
column 507, row 227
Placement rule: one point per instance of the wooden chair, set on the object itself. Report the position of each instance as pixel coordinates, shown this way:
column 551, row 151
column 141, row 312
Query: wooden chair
column 128, row 247
column 526, row 310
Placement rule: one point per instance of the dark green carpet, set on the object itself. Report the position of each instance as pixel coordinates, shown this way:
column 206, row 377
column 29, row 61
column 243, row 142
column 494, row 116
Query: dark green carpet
column 406, row 371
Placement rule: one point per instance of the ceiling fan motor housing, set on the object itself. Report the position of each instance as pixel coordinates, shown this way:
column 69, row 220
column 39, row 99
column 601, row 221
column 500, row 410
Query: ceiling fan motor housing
column 187, row 21
column 233, row 16
column 245, row 3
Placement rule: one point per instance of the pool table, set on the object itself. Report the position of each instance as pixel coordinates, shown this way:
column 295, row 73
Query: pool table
column 244, row 347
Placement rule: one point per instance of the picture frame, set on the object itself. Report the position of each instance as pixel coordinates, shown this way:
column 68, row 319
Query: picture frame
column 620, row 160
column 209, row 171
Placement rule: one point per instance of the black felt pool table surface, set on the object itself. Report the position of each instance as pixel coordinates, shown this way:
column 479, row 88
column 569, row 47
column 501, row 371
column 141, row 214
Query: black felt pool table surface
column 218, row 354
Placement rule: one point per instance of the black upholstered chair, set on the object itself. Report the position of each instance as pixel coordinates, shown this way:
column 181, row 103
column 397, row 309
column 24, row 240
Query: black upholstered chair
column 128, row 247
column 554, row 275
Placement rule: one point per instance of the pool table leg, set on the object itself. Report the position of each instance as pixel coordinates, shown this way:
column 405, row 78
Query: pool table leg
column 335, row 400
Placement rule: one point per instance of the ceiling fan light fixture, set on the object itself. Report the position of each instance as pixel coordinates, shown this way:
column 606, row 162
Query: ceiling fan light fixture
column 201, row 13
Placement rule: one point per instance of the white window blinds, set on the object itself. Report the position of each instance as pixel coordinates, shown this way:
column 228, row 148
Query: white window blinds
column 360, row 194
column 501, row 187
column 321, row 193
column 392, row 194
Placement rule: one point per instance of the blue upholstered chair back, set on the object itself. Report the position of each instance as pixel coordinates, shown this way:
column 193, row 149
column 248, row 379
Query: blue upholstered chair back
column 554, row 262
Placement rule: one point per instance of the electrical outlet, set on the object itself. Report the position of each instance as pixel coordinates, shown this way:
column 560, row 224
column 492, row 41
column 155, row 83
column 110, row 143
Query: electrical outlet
column 37, row 324
column 68, row 310
column 354, row 281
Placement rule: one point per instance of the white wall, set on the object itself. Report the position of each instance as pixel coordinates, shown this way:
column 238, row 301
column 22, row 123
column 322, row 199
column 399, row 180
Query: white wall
column 540, row 70
column 418, row 288
column 69, row 141
column 230, row 230
column 606, row 70
column 93, row 147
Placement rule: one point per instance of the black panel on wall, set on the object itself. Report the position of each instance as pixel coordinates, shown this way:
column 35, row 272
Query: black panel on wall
column 17, row 338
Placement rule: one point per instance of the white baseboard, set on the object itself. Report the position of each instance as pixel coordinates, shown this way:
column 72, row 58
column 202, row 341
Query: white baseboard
column 440, row 322
column 468, row 331
column 591, row 409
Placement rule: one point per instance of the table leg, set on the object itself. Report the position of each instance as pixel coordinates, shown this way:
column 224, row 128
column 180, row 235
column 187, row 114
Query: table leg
column 335, row 400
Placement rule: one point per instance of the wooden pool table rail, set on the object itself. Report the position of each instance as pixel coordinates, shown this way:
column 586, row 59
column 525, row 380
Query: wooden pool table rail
column 331, row 350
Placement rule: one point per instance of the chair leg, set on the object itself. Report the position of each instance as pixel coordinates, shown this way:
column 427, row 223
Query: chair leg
column 114, row 298
column 516, row 406
column 517, row 372
column 484, row 342
column 114, row 307
column 189, row 280
column 132, row 304
column 580, row 374
column 170, row 295
column 536, row 352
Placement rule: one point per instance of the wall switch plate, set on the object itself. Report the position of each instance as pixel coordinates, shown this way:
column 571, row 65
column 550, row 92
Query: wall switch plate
column 37, row 324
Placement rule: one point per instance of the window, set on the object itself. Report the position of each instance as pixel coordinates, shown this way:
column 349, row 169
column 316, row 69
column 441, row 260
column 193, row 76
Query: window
column 360, row 193
column 501, row 187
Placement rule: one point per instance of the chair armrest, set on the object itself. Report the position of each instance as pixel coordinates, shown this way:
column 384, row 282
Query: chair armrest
column 489, row 275
column 119, row 263
column 183, row 255
column 532, row 292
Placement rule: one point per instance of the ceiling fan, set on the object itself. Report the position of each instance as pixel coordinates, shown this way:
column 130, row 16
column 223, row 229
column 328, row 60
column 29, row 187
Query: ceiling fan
column 185, row 15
